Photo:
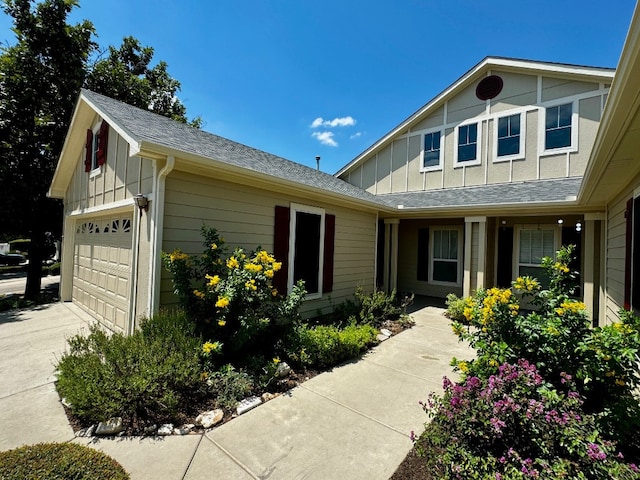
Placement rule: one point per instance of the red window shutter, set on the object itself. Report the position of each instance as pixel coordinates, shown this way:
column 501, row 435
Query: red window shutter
column 329, row 249
column 103, row 137
column 88, row 155
column 281, row 247
column 627, row 253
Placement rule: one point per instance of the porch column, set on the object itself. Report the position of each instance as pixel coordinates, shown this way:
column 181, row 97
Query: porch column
column 474, row 261
column 591, row 269
column 66, row 260
column 391, row 253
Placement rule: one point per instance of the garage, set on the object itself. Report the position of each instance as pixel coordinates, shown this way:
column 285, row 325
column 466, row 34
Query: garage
column 102, row 268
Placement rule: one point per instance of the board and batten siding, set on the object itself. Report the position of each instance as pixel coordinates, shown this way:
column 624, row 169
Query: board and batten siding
column 245, row 217
column 396, row 166
column 615, row 252
column 121, row 177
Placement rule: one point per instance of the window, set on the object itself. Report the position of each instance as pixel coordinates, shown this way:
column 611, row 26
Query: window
column 445, row 255
column 431, row 153
column 467, row 140
column 96, row 147
column 304, row 243
column 508, row 141
column 534, row 244
column 557, row 132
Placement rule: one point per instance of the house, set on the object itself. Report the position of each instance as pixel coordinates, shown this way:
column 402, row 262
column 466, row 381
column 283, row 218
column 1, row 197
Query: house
column 514, row 159
column 322, row 228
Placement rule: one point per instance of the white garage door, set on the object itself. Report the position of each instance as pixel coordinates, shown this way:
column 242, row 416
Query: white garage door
column 102, row 268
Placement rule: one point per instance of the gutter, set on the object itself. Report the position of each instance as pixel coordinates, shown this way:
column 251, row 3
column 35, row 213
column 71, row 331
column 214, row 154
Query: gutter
column 158, row 230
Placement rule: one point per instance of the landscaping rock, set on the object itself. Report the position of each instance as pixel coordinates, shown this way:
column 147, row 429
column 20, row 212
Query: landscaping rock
column 381, row 337
column 283, row 370
column 165, row 429
column 184, row 430
column 247, row 404
column 210, row 418
column 86, row 432
column 112, row 426
column 386, row 332
column 269, row 396
column 66, row 403
column 151, row 429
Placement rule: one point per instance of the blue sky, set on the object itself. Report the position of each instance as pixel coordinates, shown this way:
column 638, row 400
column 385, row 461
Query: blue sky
column 298, row 78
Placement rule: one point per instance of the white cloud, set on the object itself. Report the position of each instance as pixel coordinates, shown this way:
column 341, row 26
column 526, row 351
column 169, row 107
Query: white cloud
column 347, row 121
column 325, row 138
column 355, row 135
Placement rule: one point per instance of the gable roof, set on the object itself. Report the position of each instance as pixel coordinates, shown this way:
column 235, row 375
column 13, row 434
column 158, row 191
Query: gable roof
column 557, row 191
column 147, row 131
column 471, row 76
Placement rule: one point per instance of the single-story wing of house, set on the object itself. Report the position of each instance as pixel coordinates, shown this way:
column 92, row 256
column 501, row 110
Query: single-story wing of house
column 513, row 160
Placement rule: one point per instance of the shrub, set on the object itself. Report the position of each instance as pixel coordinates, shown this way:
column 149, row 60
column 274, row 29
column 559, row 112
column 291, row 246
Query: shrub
column 145, row 375
column 514, row 425
column 378, row 307
column 59, row 460
column 455, row 308
column 233, row 298
column 229, row 386
column 326, row 346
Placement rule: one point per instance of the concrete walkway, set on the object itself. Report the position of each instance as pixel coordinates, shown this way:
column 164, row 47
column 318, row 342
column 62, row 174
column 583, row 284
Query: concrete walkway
column 351, row 423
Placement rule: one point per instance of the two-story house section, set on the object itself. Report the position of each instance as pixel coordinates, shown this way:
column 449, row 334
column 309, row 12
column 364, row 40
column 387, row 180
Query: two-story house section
column 484, row 179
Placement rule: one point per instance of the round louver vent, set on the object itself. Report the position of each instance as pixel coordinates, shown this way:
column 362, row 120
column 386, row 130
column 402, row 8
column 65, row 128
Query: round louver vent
column 489, row 87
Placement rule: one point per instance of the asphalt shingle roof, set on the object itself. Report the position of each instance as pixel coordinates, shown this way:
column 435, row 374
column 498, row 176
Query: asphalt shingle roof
column 521, row 193
column 149, row 127
column 145, row 126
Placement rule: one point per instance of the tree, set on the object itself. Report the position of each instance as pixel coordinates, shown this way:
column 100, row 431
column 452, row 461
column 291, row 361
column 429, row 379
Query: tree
column 40, row 77
column 125, row 75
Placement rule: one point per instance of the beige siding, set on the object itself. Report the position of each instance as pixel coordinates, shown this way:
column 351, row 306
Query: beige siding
column 557, row 88
column 464, row 106
column 244, row 216
column 475, row 254
column 432, row 121
column 399, row 164
column 518, row 91
column 383, row 168
column 416, row 180
column 369, row 175
column 615, row 252
column 590, row 111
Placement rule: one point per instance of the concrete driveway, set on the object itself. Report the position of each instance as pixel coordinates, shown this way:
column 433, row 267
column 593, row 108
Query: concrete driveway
column 353, row 422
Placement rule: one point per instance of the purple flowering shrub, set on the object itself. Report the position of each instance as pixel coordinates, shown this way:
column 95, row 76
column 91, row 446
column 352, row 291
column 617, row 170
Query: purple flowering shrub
column 514, row 425
column 557, row 338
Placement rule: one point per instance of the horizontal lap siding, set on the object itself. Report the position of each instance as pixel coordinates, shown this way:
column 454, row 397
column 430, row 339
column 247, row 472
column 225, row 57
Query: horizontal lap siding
column 244, row 216
column 615, row 255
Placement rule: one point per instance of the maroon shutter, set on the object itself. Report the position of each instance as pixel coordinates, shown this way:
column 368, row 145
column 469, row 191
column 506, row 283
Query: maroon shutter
column 281, row 247
column 103, row 137
column 627, row 254
column 88, row 155
column 329, row 248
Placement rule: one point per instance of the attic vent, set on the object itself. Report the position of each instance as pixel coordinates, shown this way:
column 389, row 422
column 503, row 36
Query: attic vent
column 489, row 87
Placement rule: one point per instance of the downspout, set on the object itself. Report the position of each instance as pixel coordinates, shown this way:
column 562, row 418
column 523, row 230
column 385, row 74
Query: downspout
column 156, row 243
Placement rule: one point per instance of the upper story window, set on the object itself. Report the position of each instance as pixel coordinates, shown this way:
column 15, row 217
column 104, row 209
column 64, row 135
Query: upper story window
column 509, row 141
column 431, row 153
column 558, row 126
column 468, row 144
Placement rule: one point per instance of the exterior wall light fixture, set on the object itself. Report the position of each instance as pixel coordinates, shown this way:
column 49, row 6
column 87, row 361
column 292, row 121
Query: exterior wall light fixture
column 141, row 202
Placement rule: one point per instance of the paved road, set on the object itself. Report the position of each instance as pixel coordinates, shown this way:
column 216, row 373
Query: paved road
column 15, row 283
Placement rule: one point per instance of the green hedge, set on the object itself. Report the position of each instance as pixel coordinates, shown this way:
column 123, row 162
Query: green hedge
column 59, row 461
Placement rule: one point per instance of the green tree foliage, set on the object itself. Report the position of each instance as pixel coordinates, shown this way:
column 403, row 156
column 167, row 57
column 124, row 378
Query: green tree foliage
column 40, row 76
column 126, row 75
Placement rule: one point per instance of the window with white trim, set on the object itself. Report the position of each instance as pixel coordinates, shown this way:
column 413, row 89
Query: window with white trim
column 509, row 137
column 431, row 152
column 306, row 248
column 467, row 144
column 558, row 126
column 535, row 243
column 446, row 257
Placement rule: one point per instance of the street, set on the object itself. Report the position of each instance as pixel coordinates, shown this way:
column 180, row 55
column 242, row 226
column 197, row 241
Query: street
column 15, row 283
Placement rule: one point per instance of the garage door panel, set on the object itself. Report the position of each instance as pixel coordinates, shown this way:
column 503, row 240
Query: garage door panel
column 102, row 267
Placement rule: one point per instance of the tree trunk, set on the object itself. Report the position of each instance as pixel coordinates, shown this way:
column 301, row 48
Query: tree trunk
column 34, row 270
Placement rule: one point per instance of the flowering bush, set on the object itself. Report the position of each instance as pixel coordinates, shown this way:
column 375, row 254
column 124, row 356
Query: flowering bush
column 514, row 425
column 592, row 375
column 232, row 296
